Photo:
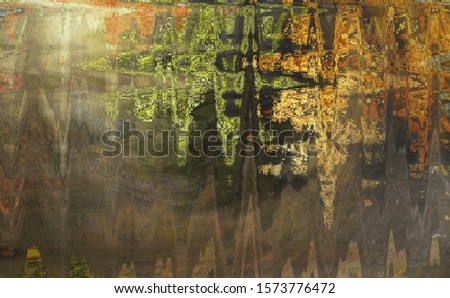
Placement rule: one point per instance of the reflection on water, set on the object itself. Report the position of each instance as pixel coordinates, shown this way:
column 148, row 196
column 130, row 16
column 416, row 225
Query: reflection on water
column 360, row 188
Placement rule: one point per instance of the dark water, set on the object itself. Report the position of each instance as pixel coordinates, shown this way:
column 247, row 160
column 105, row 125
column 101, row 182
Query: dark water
column 360, row 188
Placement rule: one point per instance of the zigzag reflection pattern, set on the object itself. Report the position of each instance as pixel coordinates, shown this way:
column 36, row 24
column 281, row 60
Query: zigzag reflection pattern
column 375, row 70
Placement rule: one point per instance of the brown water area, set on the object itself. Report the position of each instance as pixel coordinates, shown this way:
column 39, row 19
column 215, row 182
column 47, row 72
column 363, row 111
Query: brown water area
column 360, row 188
